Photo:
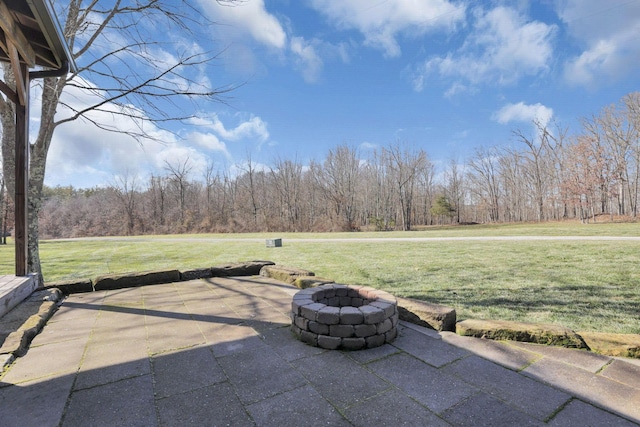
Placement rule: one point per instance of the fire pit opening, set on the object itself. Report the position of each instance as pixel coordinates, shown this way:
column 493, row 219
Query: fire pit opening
column 344, row 317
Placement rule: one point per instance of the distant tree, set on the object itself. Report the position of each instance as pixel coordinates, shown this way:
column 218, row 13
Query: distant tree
column 583, row 176
column 379, row 190
column 442, row 208
column 126, row 191
column 534, row 165
column 249, row 181
column 178, row 180
column 455, row 187
column 406, row 166
column 340, row 183
column 157, row 199
column 287, row 180
column 484, row 177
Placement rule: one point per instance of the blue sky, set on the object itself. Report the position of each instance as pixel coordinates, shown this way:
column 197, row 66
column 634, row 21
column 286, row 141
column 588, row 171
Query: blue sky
column 445, row 76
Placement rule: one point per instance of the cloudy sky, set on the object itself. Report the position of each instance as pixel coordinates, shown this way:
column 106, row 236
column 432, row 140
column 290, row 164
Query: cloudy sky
column 445, row 76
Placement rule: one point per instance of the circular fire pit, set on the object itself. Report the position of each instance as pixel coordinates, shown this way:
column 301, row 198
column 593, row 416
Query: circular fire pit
column 344, row 317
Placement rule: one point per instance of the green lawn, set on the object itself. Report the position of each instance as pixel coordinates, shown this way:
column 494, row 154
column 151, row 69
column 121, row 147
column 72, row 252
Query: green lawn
column 585, row 285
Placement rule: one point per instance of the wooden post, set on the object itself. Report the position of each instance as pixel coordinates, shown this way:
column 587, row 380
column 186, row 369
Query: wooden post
column 22, row 174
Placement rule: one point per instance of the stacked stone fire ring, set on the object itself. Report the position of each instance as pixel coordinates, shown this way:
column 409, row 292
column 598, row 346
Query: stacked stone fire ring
column 344, row 317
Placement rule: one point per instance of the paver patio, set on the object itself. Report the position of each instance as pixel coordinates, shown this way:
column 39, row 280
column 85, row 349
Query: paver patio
column 219, row 352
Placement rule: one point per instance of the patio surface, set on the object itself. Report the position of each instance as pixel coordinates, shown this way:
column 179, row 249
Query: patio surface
column 219, row 352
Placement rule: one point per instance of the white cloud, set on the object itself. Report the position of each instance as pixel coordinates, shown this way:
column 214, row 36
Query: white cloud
column 608, row 31
column 253, row 127
column 208, row 141
column 381, row 23
column 176, row 155
column 522, row 112
column 84, row 155
column 307, row 59
column 241, row 168
column 502, row 48
column 368, row 146
column 247, row 19
column 244, row 24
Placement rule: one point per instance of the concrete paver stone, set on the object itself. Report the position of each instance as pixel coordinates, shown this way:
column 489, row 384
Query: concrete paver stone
column 583, row 359
column 17, row 406
column 301, row 406
column 580, row 414
column 215, row 405
column 499, row 352
column 595, row 389
column 532, row 397
column 482, row 410
column 219, row 351
column 259, row 374
column 392, row 408
column 426, row 384
column 339, row 379
column 122, row 403
column 435, row 352
column 623, row 372
column 199, row 368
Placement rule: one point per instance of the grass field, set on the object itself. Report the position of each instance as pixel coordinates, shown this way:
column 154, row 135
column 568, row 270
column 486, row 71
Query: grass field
column 583, row 284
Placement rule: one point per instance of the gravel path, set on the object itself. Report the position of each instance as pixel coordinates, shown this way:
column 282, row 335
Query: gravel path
column 365, row 239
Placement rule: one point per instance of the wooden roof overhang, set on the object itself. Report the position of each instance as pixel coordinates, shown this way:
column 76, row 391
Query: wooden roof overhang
column 30, row 38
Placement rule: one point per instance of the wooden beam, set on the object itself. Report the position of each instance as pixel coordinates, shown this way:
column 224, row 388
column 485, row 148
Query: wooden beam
column 10, row 93
column 22, row 177
column 21, row 84
column 3, row 45
column 15, row 36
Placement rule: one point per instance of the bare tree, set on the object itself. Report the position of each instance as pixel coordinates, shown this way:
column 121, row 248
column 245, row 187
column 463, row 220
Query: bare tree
column 379, row 190
column 620, row 136
column 287, row 178
column 118, row 64
column 126, row 191
column 454, row 184
column 514, row 189
column 534, row 167
column 249, row 182
column 339, row 179
column 157, row 199
column 631, row 103
column 179, row 182
column 483, row 174
column 406, row 166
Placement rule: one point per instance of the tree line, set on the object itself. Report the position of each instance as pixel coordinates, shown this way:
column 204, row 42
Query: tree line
column 548, row 175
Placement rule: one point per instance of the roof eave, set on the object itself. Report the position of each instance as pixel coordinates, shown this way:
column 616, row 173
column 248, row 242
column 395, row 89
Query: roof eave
column 52, row 31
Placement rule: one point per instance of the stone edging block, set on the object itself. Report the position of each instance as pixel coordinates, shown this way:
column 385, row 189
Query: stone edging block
column 284, row 274
column 131, row 280
column 125, row 280
column 609, row 344
column 433, row 316
column 249, row 268
column 304, row 282
column 520, row 331
column 68, row 287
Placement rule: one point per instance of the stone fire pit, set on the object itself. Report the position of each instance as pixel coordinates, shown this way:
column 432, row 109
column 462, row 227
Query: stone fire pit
column 344, row 317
